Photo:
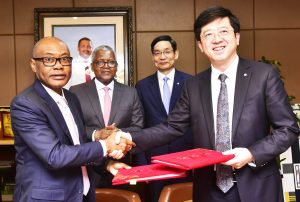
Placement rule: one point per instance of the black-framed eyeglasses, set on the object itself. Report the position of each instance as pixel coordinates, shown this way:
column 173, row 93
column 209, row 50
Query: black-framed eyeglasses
column 51, row 61
column 110, row 64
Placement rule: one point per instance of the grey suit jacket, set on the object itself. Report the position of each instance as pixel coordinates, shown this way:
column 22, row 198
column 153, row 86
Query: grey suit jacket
column 260, row 103
column 126, row 110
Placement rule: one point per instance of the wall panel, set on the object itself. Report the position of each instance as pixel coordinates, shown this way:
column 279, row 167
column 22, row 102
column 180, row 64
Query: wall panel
column 7, row 70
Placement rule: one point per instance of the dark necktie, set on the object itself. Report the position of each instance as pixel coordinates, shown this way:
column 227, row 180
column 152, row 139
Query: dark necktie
column 224, row 173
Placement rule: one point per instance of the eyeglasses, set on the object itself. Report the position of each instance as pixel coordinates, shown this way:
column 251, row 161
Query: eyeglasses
column 221, row 32
column 166, row 53
column 110, row 64
column 51, row 61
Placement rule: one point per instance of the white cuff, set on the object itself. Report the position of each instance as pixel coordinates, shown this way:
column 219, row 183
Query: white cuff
column 93, row 135
column 103, row 144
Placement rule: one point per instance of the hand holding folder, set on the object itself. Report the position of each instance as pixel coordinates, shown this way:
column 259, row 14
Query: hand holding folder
column 191, row 159
column 146, row 173
column 171, row 165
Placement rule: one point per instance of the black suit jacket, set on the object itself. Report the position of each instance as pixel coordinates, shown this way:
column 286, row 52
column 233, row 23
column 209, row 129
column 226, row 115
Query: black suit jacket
column 260, row 102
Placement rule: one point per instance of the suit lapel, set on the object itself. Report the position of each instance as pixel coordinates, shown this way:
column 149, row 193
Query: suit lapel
column 243, row 77
column 76, row 116
column 177, row 86
column 116, row 99
column 53, row 108
column 155, row 92
column 206, row 100
column 92, row 93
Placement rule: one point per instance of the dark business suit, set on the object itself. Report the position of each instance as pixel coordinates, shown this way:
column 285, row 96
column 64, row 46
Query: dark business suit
column 126, row 113
column 260, row 101
column 48, row 165
column 155, row 113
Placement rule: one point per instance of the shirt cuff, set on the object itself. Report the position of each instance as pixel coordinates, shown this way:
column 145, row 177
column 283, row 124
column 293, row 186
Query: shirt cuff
column 252, row 164
column 103, row 144
column 93, row 135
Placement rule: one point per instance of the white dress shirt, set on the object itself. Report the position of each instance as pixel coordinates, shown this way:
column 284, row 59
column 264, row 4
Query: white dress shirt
column 101, row 92
column 230, row 72
column 170, row 81
column 72, row 126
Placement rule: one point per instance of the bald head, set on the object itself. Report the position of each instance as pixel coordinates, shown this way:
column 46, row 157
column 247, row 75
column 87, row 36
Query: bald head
column 46, row 42
column 53, row 75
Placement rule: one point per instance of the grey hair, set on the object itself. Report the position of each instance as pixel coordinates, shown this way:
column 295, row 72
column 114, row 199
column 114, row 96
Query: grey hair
column 104, row 48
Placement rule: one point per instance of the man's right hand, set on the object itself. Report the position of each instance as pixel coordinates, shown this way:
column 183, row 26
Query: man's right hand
column 117, row 145
column 105, row 132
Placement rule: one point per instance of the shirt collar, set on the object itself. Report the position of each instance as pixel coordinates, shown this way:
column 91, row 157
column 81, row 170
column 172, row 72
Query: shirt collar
column 84, row 60
column 230, row 71
column 55, row 96
column 171, row 75
column 100, row 85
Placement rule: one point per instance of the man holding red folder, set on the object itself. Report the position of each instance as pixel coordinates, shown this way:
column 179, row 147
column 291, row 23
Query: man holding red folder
column 253, row 100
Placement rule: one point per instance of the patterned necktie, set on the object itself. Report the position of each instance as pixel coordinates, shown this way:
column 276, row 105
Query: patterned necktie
column 107, row 105
column 224, row 173
column 67, row 114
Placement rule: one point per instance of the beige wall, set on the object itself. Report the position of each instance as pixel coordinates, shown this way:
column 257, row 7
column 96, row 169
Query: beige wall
column 270, row 28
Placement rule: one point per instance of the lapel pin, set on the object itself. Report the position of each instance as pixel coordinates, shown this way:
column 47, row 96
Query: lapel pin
column 245, row 74
column 177, row 83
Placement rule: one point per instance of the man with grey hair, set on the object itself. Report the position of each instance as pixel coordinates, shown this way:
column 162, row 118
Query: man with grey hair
column 105, row 102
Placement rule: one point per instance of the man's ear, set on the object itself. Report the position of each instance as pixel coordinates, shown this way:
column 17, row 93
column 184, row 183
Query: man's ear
column 200, row 45
column 238, row 37
column 176, row 54
column 33, row 65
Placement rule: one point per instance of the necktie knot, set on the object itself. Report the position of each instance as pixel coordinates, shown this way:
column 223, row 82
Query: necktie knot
column 222, row 77
column 106, row 89
column 166, row 79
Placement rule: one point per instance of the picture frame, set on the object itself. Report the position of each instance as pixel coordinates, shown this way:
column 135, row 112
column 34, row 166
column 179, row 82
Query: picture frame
column 103, row 25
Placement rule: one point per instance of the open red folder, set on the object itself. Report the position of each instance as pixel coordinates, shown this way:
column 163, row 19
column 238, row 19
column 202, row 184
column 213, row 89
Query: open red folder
column 191, row 159
column 146, row 173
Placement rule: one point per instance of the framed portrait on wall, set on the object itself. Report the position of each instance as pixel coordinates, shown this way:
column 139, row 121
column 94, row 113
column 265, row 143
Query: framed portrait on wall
column 110, row 26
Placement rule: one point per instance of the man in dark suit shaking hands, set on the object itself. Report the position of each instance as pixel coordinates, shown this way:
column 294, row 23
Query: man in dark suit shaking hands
column 52, row 157
column 231, row 107
column 158, row 94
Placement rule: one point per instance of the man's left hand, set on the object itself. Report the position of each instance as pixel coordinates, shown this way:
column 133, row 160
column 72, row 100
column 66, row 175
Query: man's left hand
column 242, row 157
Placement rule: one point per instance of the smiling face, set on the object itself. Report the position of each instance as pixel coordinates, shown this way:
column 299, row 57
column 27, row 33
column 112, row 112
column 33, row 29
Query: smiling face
column 219, row 47
column 104, row 74
column 85, row 48
column 53, row 77
column 164, row 56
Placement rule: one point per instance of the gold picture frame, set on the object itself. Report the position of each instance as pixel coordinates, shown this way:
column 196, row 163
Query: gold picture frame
column 103, row 25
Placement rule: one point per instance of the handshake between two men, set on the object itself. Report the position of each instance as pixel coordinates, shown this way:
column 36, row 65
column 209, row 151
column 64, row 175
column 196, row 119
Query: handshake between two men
column 117, row 143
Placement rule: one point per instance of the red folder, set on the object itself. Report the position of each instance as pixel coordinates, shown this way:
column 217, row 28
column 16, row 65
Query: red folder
column 191, row 159
column 146, row 173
